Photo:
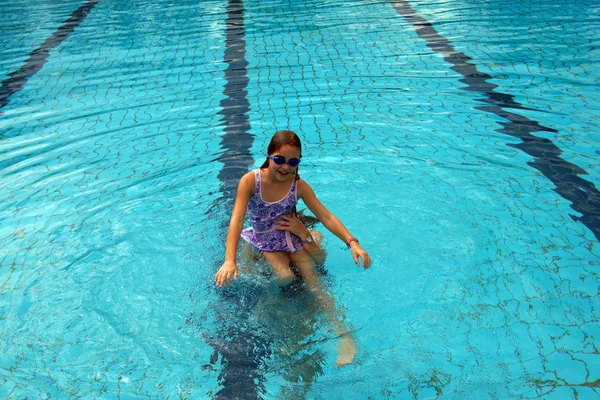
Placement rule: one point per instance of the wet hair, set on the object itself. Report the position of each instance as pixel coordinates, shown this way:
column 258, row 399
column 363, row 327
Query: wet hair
column 280, row 139
column 308, row 220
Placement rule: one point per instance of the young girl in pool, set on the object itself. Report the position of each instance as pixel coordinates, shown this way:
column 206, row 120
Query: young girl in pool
column 269, row 194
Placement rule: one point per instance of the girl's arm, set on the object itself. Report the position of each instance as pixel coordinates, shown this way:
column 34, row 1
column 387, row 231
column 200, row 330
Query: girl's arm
column 331, row 222
column 229, row 268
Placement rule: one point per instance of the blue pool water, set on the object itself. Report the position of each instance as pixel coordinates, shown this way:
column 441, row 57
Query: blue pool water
column 459, row 141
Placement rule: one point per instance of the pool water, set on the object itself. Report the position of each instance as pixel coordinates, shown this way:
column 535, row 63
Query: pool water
column 459, row 141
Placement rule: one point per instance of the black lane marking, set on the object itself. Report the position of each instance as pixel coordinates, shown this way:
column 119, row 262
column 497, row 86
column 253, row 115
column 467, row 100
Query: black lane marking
column 242, row 351
column 583, row 195
column 236, row 142
column 16, row 80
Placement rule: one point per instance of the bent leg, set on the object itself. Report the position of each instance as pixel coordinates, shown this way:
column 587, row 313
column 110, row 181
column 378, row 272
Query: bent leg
column 251, row 258
column 306, row 265
column 347, row 347
column 250, row 254
column 316, row 252
column 280, row 263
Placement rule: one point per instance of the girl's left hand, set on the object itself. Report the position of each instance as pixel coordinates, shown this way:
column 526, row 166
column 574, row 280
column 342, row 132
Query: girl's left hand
column 293, row 224
column 359, row 252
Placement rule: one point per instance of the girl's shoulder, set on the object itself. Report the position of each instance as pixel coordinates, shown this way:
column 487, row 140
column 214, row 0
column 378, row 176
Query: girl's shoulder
column 301, row 181
column 249, row 176
column 248, row 182
column 302, row 186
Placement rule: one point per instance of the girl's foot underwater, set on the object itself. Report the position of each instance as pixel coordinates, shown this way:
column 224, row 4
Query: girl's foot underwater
column 346, row 351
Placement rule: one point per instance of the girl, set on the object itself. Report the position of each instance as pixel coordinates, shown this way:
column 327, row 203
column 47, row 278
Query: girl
column 269, row 194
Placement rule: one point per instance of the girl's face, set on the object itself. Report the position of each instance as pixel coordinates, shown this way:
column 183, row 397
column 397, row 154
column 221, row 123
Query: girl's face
column 284, row 172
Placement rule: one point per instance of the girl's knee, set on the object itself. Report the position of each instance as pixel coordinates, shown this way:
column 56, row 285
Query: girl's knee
column 285, row 278
column 283, row 274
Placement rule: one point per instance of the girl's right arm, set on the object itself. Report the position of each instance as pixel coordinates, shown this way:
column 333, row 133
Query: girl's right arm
column 229, row 268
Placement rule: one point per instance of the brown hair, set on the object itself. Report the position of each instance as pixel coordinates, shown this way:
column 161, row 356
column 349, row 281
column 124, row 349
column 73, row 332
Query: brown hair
column 307, row 220
column 280, row 139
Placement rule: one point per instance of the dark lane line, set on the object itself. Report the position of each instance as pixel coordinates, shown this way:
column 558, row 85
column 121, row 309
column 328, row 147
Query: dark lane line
column 16, row 80
column 242, row 351
column 583, row 195
column 236, row 142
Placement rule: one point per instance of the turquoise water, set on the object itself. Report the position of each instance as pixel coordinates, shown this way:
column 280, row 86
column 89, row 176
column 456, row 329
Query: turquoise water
column 115, row 178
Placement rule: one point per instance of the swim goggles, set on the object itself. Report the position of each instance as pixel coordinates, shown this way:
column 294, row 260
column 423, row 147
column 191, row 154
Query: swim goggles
column 280, row 160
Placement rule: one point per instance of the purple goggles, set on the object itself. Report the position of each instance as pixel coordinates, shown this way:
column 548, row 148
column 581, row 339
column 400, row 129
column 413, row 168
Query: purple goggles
column 280, row 160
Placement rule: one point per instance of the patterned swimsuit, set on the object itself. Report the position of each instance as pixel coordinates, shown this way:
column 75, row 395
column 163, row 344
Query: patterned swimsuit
column 262, row 215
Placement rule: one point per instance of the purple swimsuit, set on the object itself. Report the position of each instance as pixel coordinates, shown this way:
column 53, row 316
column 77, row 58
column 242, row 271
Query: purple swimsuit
column 262, row 215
